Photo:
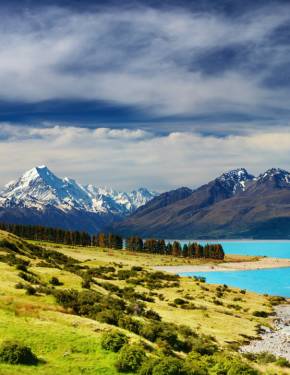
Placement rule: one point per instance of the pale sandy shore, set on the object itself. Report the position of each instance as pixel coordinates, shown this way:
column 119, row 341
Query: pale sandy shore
column 262, row 263
column 276, row 341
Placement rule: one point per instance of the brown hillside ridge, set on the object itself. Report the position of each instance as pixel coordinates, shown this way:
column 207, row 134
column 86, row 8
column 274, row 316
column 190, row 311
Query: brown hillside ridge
column 227, row 207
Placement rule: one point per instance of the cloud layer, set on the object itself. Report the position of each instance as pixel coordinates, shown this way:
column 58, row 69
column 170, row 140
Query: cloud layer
column 168, row 62
column 126, row 159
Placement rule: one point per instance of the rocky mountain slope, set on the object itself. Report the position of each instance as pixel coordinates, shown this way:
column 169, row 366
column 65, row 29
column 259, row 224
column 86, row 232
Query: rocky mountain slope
column 234, row 205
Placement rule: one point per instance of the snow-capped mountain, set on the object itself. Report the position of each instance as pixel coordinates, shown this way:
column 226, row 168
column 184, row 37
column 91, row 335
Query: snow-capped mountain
column 277, row 176
column 235, row 180
column 39, row 188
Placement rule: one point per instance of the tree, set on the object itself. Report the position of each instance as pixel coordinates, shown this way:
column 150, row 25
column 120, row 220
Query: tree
column 176, row 249
column 185, row 251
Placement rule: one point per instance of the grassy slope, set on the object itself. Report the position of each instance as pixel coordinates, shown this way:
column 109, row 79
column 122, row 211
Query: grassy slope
column 70, row 344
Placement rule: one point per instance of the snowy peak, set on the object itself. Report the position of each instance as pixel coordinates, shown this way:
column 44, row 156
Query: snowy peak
column 235, row 180
column 39, row 188
column 275, row 176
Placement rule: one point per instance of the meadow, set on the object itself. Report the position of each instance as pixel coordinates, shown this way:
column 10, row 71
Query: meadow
column 67, row 338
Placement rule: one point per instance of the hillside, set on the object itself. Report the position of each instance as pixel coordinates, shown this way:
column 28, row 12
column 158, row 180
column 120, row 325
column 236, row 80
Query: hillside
column 65, row 328
column 234, row 205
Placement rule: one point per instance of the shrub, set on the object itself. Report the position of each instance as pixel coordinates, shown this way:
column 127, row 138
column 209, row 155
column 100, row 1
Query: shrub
column 169, row 366
column 19, row 286
column 28, row 277
column 242, row 369
column 130, row 324
column 226, row 364
column 113, row 341
column 21, row 267
column 282, row 362
column 149, row 331
column 194, row 365
column 261, row 314
column 125, row 274
column 130, row 358
column 265, row 357
column 108, row 316
column 30, row 291
column 153, row 315
column 179, row 301
column 203, row 347
column 86, row 283
column 148, row 366
column 14, row 353
column 137, row 268
column 55, row 281
column 217, row 302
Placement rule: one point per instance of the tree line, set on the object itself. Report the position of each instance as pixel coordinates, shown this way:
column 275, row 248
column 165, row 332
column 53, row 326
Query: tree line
column 67, row 237
column 191, row 250
column 113, row 241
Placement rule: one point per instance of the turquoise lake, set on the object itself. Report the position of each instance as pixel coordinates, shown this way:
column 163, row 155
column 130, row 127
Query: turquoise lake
column 275, row 281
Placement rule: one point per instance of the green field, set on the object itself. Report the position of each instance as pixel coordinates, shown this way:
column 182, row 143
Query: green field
column 67, row 343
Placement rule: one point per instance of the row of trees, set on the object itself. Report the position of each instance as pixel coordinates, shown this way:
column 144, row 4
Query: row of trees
column 113, row 241
column 192, row 250
column 58, row 235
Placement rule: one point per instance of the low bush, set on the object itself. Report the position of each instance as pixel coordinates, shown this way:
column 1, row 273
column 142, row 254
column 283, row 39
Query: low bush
column 137, row 268
column 28, row 277
column 19, row 286
column 15, row 353
column 282, row 362
column 113, row 341
column 130, row 324
column 148, row 366
column 203, row 346
column 30, row 291
column 261, row 314
column 55, row 281
column 169, row 366
column 221, row 363
column 179, row 301
column 153, row 315
column 265, row 357
column 130, row 358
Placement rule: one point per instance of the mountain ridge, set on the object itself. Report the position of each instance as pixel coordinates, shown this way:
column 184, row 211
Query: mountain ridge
column 39, row 187
column 40, row 197
column 234, row 205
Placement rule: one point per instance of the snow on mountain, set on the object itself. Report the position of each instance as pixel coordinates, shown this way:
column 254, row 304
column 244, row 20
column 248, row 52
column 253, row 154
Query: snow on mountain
column 278, row 176
column 39, row 188
column 235, row 180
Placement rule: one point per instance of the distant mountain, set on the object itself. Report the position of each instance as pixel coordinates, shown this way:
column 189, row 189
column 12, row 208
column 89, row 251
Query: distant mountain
column 234, row 205
column 41, row 197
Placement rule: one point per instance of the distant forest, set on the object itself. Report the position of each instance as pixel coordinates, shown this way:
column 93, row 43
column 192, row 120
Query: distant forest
column 113, row 241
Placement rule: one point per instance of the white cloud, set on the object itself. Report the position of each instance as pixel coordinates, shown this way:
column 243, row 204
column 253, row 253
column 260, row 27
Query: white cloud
column 126, row 159
column 140, row 57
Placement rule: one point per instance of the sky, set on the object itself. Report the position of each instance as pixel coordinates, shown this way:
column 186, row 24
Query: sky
column 160, row 94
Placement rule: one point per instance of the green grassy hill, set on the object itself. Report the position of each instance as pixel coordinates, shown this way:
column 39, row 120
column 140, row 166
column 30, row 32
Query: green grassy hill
column 114, row 290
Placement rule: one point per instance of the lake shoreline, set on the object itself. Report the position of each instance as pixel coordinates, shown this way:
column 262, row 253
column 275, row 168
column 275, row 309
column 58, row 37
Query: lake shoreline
column 276, row 340
column 263, row 263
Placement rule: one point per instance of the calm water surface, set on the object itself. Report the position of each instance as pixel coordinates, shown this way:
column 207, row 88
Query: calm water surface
column 275, row 281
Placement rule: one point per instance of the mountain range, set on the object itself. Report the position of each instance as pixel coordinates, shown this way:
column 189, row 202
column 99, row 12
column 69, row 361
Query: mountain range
column 233, row 205
column 40, row 197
